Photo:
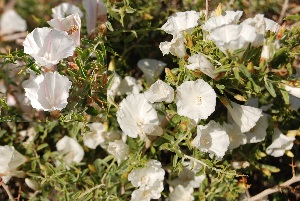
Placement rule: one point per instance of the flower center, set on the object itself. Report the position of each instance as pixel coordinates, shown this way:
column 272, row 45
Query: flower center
column 198, row 100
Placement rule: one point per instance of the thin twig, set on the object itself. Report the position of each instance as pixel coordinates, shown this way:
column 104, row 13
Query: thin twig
column 283, row 11
column 11, row 197
column 206, row 10
column 275, row 188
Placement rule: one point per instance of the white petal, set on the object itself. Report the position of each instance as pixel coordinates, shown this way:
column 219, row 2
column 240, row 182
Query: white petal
column 65, row 9
column 195, row 99
column 160, row 91
column 11, row 22
column 259, row 131
column 48, row 46
column 245, row 116
column 70, row 150
column 200, row 62
column 48, row 92
column 151, row 68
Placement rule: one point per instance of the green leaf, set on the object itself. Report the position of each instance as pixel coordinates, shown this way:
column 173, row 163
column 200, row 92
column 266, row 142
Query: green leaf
column 270, row 87
column 293, row 17
column 92, row 111
column 42, row 146
column 285, row 96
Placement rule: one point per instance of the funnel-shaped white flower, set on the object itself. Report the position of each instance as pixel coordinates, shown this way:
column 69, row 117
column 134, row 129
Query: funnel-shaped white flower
column 95, row 9
column 160, row 91
column 236, row 137
column 70, row 24
column 181, row 193
column 200, row 62
column 280, row 144
column 96, row 135
column 181, row 21
column 245, row 116
column 230, row 17
column 11, row 22
column 119, row 149
column 195, row 99
column 212, row 138
column 259, row 131
column 148, row 193
column 175, row 47
column 70, row 150
column 10, row 160
column 233, row 37
column 65, row 9
column 137, row 117
column 48, row 91
column 48, row 46
column 129, row 85
column 151, row 68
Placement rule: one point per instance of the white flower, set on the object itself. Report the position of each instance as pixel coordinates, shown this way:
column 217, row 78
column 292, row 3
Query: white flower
column 293, row 90
column 95, row 9
column 48, row 46
column 129, row 85
column 230, row 17
column 119, row 149
column 259, row 131
column 200, row 62
column 212, row 138
column 181, row 193
column 245, row 116
column 268, row 50
column 175, row 47
column 113, row 87
column 233, row 37
column 280, row 144
column 10, row 160
column 271, row 25
column 181, row 21
column 11, row 22
column 70, row 24
column 236, row 137
column 69, row 150
column 48, row 91
column 195, row 99
column 188, row 178
column 148, row 193
column 137, row 117
column 294, row 102
column 160, row 91
column 151, row 68
column 148, row 175
column 65, row 9
column 95, row 137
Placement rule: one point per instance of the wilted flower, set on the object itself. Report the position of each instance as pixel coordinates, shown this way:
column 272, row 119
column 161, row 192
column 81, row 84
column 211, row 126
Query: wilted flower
column 113, row 88
column 160, row 91
column 137, row 117
column 151, row 68
column 268, row 50
column 65, row 9
column 200, row 62
column 293, row 90
column 119, row 149
column 233, row 37
column 69, row 150
column 195, row 99
column 70, row 24
column 11, row 22
column 129, row 85
column 230, row 17
column 48, row 91
column 181, row 21
column 95, row 9
column 212, row 138
column 280, row 144
column 175, row 47
column 236, row 137
column 245, row 116
column 181, row 193
column 239, row 164
column 48, row 46
column 10, row 160
column 259, row 131
column 95, row 137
